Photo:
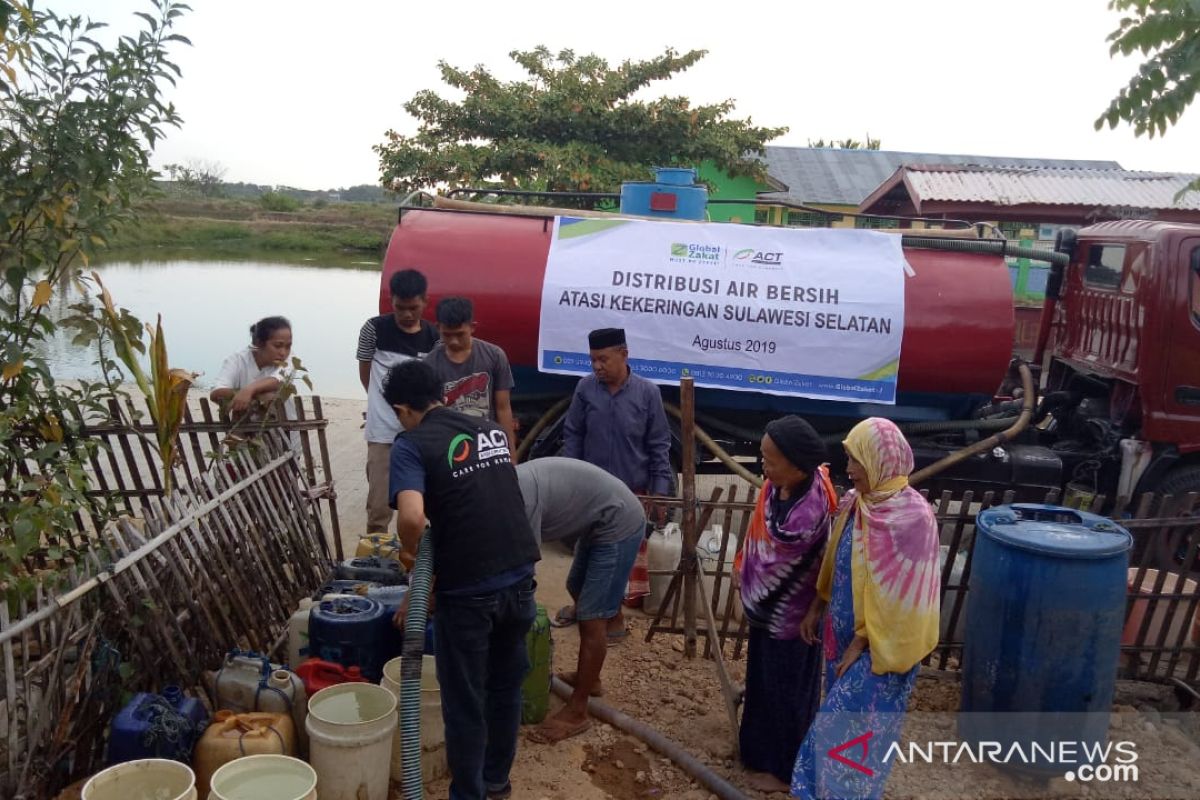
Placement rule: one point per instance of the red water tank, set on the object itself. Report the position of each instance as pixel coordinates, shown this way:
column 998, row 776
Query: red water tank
column 958, row 318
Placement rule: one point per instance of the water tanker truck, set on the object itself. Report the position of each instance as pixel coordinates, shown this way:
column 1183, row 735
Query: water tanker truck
column 1116, row 404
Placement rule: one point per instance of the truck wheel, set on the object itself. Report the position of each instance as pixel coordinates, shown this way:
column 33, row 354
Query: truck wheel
column 1171, row 551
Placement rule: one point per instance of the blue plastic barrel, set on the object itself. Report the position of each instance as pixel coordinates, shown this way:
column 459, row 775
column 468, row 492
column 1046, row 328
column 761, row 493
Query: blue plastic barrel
column 353, row 632
column 157, row 726
column 1043, row 635
column 671, row 195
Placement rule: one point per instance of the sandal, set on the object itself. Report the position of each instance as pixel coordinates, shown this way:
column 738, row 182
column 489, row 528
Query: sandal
column 564, row 617
column 552, row 731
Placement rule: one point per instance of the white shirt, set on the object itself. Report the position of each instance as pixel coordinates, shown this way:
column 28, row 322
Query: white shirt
column 240, row 370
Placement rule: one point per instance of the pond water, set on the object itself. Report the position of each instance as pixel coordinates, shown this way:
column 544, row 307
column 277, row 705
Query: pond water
column 207, row 308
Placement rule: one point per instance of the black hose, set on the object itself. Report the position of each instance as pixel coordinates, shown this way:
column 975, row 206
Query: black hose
column 669, row 748
column 1000, row 247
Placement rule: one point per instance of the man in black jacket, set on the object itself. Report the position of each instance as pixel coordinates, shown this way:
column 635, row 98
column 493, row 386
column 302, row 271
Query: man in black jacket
column 457, row 471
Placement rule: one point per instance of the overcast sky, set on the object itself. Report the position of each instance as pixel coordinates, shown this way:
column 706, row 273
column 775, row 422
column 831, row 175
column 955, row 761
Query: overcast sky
column 297, row 92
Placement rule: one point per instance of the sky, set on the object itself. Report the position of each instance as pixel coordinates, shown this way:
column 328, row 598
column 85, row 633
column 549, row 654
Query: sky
column 296, row 93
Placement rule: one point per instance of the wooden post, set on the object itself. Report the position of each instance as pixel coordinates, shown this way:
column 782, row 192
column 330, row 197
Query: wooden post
column 687, row 406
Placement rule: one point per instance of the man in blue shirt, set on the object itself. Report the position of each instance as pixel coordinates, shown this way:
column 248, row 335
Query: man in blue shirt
column 617, row 422
column 457, row 470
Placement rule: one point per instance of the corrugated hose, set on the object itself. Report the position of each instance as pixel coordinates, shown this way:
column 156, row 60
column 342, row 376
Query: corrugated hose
column 411, row 658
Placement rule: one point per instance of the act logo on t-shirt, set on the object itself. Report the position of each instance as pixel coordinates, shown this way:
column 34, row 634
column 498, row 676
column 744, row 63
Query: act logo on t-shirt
column 491, row 448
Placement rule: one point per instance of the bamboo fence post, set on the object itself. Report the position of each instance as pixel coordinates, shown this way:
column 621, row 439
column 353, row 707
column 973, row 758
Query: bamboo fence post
column 687, row 405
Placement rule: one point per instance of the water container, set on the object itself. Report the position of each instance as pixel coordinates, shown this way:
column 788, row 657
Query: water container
column 157, row 726
column 662, row 553
column 298, row 633
column 318, row 675
column 350, row 729
column 708, row 553
column 383, row 545
column 1043, row 626
column 535, row 692
column 359, row 588
column 385, row 571
column 232, row 736
column 433, row 729
column 146, row 779
column 250, row 682
column 265, row 777
column 672, row 195
column 353, row 632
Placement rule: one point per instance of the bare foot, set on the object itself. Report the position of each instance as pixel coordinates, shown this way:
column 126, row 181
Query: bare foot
column 766, row 782
column 570, row 678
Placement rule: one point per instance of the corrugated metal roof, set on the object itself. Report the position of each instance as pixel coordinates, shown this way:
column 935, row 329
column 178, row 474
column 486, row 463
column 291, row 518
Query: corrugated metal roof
column 1049, row 186
column 846, row 177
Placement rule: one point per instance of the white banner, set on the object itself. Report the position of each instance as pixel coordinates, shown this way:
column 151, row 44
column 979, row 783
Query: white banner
column 812, row 312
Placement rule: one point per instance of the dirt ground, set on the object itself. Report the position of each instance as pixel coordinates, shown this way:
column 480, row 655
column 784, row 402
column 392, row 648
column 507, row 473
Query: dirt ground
column 654, row 683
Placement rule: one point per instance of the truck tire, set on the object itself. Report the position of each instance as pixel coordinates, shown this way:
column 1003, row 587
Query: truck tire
column 1181, row 480
column 1171, row 551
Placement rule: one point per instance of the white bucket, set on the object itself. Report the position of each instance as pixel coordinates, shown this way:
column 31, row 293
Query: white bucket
column 264, row 777
column 147, row 779
column 433, row 729
column 351, row 727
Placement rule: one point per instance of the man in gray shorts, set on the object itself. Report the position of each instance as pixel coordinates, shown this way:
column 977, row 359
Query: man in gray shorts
column 564, row 498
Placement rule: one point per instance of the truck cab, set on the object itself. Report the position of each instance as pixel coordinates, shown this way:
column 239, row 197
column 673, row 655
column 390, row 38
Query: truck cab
column 1121, row 357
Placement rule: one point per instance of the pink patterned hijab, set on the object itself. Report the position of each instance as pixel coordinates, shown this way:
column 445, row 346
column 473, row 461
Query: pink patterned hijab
column 894, row 563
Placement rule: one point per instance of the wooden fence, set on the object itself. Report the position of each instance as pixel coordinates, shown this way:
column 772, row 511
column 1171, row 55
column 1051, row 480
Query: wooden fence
column 1161, row 640
column 160, row 595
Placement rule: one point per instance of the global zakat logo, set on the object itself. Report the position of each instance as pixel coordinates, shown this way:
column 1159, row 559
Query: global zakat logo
column 763, row 258
column 692, row 253
column 459, row 450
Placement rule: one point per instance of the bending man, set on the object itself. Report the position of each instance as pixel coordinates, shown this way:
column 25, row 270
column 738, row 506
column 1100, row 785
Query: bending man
column 567, row 498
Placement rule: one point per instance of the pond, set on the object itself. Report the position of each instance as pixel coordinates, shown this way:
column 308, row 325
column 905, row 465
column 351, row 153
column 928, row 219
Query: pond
column 207, row 308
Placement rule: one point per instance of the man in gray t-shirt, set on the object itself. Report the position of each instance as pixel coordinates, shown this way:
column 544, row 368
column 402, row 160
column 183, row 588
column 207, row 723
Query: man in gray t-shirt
column 475, row 374
column 565, row 497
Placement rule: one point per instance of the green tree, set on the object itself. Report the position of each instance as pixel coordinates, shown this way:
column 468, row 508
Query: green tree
column 572, row 125
column 846, row 144
column 1167, row 34
column 78, row 121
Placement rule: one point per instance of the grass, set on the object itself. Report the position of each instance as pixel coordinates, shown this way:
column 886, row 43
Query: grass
column 231, row 227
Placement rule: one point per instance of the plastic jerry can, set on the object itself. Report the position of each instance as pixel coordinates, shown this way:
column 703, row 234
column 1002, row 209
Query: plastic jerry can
column 384, row 571
column 250, row 682
column 708, row 551
column 231, row 736
column 662, row 553
column 382, row 545
column 318, row 675
column 157, row 726
column 535, row 692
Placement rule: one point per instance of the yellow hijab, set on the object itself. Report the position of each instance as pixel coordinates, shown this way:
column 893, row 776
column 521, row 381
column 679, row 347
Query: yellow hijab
column 894, row 562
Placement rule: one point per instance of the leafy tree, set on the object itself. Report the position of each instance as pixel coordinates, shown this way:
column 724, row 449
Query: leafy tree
column 78, row 121
column 846, row 144
column 1167, row 33
column 202, row 177
column 572, row 125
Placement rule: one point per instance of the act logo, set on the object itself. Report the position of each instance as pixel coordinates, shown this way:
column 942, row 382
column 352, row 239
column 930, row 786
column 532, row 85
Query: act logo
column 760, row 257
column 459, row 450
column 862, row 742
